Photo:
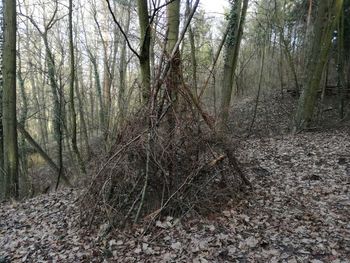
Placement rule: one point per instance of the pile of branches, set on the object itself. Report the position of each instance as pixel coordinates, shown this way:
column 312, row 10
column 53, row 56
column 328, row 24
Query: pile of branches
column 164, row 162
column 171, row 168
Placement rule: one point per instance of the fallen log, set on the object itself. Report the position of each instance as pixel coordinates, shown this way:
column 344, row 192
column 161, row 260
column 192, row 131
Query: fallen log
column 42, row 153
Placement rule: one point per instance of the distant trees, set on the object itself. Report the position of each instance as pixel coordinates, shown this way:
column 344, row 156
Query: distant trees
column 56, row 89
column 75, row 89
column 306, row 53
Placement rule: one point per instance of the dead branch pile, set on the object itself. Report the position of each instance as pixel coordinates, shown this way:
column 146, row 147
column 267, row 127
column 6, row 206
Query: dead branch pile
column 162, row 171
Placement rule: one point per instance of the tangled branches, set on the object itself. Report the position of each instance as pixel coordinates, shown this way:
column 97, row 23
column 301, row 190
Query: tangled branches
column 163, row 170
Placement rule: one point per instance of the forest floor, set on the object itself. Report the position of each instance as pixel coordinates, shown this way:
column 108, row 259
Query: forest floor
column 299, row 211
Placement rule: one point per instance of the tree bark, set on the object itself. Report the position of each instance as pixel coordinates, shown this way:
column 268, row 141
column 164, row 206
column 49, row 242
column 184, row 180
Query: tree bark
column 2, row 174
column 9, row 102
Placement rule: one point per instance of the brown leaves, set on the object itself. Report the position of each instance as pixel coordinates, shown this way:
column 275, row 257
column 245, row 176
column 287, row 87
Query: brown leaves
column 299, row 212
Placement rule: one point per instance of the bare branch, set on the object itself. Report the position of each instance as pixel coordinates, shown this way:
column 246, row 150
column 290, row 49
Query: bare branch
column 52, row 20
column 121, row 30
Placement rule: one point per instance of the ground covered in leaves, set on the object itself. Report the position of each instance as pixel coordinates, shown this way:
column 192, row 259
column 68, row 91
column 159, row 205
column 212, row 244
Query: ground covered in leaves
column 299, row 211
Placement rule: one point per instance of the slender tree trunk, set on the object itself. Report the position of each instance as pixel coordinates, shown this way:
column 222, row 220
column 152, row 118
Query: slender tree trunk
column 91, row 120
column 233, row 41
column 122, row 74
column 291, row 64
column 107, row 98
column 42, row 127
column 145, row 31
column 59, row 133
column 81, row 106
column 98, row 89
column 193, row 51
column 173, row 19
column 340, row 69
column 107, row 81
column 22, row 121
column 2, row 174
column 73, row 113
column 9, row 102
column 173, row 80
column 113, row 65
column 57, row 100
column 84, row 128
column 261, row 76
column 213, row 86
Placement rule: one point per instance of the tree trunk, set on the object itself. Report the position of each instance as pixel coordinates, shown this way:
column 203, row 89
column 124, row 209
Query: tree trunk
column 57, row 111
column 73, row 114
column 145, row 42
column 83, row 124
column 2, row 174
column 122, row 74
column 233, row 41
column 22, row 121
column 327, row 18
column 173, row 18
column 98, row 89
column 193, row 52
column 9, row 102
column 107, row 81
column 291, row 63
column 340, row 69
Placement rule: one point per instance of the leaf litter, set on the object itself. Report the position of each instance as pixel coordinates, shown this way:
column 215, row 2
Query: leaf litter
column 299, row 211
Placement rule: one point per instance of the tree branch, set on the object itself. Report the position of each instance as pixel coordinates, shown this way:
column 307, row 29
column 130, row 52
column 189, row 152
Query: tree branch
column 121, row 30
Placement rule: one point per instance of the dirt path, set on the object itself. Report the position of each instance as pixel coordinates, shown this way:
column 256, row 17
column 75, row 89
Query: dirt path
column 299, row 212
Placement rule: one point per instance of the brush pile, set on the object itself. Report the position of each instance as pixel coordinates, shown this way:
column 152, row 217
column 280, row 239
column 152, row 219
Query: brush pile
column 170, row 168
